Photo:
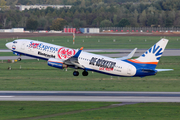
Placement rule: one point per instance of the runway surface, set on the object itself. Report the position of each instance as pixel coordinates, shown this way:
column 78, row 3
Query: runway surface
column 90, row 96
column 122, row 52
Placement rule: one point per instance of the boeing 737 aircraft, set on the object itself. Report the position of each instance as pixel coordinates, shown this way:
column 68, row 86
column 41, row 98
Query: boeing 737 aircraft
column 63, row 57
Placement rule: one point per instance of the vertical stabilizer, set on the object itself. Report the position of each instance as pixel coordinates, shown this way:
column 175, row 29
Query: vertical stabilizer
column 153, row 55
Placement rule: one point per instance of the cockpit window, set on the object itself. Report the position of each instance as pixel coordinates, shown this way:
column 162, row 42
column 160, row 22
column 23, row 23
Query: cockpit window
column 14, row 41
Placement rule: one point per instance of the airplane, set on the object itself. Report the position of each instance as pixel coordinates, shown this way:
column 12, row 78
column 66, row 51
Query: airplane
column 62, row 57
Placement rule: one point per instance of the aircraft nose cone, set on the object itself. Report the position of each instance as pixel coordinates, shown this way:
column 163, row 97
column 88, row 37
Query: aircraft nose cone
column 8, row 45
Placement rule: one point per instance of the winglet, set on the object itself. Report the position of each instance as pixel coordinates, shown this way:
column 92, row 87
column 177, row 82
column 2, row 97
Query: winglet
column 132, row 53
column 78, row 53
column 129, row 56
column 81, row 48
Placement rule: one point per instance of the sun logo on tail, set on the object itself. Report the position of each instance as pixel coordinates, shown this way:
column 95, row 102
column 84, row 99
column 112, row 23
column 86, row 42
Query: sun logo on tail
column 156, row 50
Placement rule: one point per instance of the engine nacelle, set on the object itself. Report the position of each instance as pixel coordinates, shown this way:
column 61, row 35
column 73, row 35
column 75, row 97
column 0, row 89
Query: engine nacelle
column 56, row 63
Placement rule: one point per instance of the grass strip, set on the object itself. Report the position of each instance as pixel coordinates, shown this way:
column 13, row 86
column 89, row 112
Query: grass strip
column 22, row 109
column 87, row 110
column 148, row 111
column 7, row 54
column 104, row 42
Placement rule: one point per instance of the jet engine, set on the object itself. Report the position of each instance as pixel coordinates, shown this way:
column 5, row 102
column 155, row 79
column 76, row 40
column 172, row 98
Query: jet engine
column 56, row 63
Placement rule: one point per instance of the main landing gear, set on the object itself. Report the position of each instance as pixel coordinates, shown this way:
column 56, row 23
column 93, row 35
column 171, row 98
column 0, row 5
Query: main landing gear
column 75, row 73
column 84, row 73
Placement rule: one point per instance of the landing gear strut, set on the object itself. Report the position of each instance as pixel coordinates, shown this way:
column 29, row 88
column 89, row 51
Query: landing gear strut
column 75, row 73
column 85, row 73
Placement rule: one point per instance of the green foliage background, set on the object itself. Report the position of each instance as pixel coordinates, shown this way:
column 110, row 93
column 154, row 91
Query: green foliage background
column 94, row 13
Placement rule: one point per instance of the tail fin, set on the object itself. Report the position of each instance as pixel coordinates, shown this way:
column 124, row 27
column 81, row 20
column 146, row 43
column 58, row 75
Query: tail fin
column 152, row 56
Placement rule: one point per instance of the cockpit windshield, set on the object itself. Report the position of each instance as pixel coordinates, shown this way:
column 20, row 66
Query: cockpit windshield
column 14, row 42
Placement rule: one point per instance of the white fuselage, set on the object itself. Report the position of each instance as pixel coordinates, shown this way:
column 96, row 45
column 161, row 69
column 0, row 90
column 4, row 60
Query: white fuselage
column 89, row 61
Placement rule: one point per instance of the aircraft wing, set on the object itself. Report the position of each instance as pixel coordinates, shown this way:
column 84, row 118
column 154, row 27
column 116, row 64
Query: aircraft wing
column 74, row 59
column 128, row 56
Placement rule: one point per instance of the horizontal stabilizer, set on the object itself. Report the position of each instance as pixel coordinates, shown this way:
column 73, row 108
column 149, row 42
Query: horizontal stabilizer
column 129, row 56
column 160, row 70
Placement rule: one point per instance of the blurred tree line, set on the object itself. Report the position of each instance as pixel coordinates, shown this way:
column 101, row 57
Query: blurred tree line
column 93, row 13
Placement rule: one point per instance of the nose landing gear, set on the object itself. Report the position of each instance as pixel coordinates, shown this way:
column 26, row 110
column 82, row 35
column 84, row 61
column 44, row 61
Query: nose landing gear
column 19, row 59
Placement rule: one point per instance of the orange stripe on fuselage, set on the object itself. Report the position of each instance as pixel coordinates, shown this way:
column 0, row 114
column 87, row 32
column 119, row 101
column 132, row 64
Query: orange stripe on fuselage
column 136, row 61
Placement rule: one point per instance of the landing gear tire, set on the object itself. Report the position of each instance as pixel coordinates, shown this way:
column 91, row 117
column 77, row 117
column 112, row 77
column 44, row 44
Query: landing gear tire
column 75, row 73
column 19, row 59
column 85, row 73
